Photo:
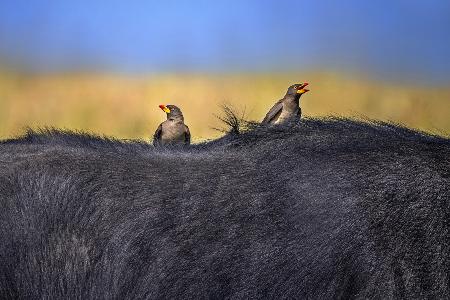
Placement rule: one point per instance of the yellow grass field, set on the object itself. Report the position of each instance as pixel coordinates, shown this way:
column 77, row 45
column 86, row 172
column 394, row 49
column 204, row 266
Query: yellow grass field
column 126, row 106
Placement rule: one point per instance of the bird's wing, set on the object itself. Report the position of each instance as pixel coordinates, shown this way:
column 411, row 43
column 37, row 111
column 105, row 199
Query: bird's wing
column 276, row 109
column 187, row 136
column 157, row 135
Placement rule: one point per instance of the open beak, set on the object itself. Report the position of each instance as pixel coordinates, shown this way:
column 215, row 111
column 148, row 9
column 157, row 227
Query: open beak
column 302, row 90
column 165, row 108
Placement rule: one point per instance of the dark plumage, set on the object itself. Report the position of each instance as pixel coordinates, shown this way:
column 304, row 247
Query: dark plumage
column 322, row 209
column 288, row 107
column 173, row 131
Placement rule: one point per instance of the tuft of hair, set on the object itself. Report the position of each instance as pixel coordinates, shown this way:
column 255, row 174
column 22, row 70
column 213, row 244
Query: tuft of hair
column 235, row 122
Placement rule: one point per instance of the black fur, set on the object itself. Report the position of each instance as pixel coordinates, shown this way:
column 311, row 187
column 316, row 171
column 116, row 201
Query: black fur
column 318, row 209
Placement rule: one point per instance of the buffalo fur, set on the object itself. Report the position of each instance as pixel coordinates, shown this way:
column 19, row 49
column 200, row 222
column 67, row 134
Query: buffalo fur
column 322, row 209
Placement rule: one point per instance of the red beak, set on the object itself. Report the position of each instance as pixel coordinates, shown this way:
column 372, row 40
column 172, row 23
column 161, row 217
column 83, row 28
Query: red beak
column 303, row 85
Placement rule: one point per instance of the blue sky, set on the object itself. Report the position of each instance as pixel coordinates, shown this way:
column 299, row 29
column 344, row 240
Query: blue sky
column 393, row 39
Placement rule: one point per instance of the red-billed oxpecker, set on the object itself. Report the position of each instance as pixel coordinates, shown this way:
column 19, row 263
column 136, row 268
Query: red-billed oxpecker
column 288, row 107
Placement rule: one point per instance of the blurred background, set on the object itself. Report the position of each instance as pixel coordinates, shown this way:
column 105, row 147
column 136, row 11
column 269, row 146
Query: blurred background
column 105, row 66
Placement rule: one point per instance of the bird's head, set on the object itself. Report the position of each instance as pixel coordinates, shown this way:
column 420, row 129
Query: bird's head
column 172, row 111
column 297, row 89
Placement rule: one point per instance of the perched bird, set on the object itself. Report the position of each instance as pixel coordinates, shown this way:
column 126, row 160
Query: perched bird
column 173, row 130
column 288, row 107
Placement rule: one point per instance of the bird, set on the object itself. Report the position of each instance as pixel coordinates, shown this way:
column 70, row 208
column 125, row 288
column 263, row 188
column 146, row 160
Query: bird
column 172, row 131
column 288, row 107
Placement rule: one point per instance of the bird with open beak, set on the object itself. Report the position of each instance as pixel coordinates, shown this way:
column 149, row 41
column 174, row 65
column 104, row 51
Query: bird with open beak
column 288, row 107
column 172, row 131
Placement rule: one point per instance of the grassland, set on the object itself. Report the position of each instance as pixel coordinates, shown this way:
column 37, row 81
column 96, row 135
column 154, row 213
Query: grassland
column 127, row 106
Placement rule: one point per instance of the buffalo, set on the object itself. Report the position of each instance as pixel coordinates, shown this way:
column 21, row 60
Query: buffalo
column 321, row 208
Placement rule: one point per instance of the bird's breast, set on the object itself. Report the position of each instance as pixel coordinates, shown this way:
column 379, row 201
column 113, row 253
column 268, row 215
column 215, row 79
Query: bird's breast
column 286, row 114
column 173, row 132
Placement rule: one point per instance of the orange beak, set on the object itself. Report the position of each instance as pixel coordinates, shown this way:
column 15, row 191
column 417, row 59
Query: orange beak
column 164, row 108
column 302, row 90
